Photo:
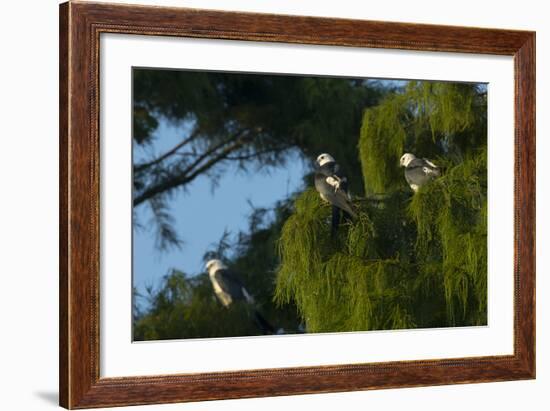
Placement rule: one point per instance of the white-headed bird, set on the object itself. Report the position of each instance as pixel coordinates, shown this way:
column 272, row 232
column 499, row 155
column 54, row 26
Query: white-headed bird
column 418, row 171
column 333, row 188
column 228, row 288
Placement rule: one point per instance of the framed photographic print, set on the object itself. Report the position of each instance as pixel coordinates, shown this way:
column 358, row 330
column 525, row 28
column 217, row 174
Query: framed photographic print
column 258, row 205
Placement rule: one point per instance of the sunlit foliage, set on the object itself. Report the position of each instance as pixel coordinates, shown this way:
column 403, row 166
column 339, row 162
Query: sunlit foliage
column 410, row 260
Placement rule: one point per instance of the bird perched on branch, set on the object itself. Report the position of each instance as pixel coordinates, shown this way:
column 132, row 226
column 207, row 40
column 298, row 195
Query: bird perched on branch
column 333, row 188
column 229, row 289
column 418, row 171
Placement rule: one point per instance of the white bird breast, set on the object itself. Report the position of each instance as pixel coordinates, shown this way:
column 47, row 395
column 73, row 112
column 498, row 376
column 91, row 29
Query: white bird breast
column 332, row 181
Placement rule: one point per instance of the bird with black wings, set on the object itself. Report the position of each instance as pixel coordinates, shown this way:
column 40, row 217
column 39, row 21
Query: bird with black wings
column 418, row 171
column 229, row 289
column 332, row 186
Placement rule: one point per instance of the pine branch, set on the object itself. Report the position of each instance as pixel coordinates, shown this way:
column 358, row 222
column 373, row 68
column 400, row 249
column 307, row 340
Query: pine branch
column 194, row 169
column 140, row 167
column 258, row 153
column 212, row 150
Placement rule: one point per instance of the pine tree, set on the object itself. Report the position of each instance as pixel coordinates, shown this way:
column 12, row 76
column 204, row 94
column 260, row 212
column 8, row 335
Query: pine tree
column 410, row 260
column 184, row 306
column 252, row 121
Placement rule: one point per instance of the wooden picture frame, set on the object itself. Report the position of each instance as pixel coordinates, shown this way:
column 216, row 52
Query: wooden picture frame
column 80, row 27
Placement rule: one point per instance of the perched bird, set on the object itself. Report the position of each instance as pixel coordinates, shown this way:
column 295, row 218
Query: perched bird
column 229, row 289
column 333, row 188
column 418, row 171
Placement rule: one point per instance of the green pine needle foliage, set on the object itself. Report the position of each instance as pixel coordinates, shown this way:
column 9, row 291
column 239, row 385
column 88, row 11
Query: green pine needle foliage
column 342, row 284
column 427, row 118
column 409, row 260
column 453, row 230
column 185, row 307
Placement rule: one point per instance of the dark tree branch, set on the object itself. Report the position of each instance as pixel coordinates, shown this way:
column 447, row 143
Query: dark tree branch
column 258, row 153
column 172, row 151
column 195, row 168
column 213, row 149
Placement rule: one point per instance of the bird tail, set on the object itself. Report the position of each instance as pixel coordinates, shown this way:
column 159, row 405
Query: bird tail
column 263, row 324
column 349, row 213
column 335, row 222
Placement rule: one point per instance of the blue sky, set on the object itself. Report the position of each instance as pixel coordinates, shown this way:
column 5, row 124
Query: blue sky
column 202, row 214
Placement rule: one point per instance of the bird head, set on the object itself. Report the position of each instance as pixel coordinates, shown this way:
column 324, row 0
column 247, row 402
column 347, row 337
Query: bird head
column 406, row 159
column 214, row 265
column 324, row 159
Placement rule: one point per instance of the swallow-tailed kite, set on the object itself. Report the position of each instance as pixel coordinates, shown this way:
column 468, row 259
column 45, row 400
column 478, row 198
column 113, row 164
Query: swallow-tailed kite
column 418, row 171
column 333, row 188
column 229, row 289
